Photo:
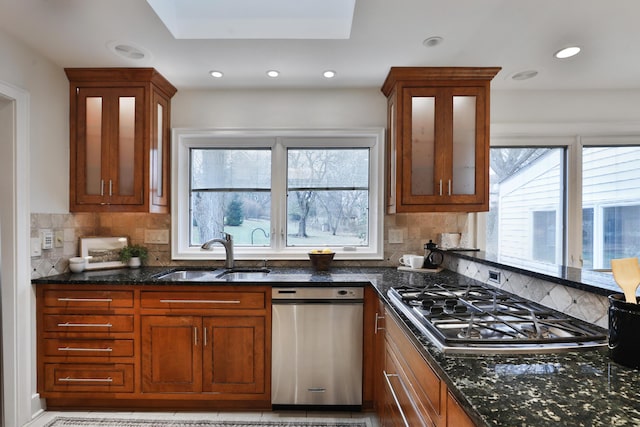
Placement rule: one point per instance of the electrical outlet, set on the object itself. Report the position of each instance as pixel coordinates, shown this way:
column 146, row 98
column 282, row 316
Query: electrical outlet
column 494, row 276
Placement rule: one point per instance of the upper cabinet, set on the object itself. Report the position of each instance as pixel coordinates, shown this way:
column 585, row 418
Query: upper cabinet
column 120, row 130
column 438, row 139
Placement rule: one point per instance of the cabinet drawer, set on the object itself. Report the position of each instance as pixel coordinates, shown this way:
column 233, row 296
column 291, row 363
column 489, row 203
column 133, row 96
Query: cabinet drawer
column 87, row 323
column 426, row 383
column 83, row 378
column 401, row 405
column 203, row 300
column 87, row 348
column 94, row 299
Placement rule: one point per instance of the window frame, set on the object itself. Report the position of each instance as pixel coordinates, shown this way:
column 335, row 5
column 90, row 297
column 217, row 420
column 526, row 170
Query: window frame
column 278, row 140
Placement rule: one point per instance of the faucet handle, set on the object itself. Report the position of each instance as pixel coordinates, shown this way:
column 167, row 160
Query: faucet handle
column 228, row 237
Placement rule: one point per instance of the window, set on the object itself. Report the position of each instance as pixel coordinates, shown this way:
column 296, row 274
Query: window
column 574, row 201
column 328, row 197
column 278, row 193
column 526, row 217
column 611, row 195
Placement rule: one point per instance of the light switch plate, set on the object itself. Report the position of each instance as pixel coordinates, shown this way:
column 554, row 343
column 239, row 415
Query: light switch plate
column 36, row 249
column 158, row 237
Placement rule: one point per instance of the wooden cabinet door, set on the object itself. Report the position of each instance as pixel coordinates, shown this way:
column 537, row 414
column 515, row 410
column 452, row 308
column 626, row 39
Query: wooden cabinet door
column 234, row 354
column 108, row 149
column 171, row 354
column 443, row 147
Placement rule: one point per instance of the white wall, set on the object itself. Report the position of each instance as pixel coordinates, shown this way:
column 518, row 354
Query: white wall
column 279, row 108
column 49, row 117
column 565, row 106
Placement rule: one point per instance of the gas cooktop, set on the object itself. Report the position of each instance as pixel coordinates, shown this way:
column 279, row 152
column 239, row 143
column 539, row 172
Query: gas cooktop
column 481, row 319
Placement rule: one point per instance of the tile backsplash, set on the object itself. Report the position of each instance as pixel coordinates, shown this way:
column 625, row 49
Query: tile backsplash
column 583, row 305
column 412, row 230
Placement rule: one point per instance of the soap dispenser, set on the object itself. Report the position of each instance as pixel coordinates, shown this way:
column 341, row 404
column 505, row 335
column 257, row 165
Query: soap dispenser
column 433, row 256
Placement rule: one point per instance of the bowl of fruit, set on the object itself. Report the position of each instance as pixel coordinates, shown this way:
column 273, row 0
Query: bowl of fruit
column 321, row 259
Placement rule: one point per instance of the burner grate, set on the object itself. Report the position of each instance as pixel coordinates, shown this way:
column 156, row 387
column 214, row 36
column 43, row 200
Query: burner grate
column 459, row 316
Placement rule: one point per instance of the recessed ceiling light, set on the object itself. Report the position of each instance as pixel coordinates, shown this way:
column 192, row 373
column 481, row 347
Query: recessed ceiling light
column 216, row 74
column 524, row 75
column 273, row 73
column 128, row 50
column 567, row 52
column 432, row 41
column 329, row 74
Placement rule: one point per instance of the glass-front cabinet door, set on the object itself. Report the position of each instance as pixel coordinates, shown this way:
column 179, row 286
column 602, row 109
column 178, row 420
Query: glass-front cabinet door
column 110, row 146
column 442, row 148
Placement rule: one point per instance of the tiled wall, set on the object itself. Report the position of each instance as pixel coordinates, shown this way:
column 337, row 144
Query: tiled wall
column 583, row 305
column 416, row 230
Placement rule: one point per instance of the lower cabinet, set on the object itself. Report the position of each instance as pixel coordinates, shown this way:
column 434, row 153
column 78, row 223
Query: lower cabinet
column 154, row 347
column 223, row 354
column 413, row 393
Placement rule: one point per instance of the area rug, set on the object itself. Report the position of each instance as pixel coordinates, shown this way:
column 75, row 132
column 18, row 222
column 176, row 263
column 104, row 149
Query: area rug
column 116, row 422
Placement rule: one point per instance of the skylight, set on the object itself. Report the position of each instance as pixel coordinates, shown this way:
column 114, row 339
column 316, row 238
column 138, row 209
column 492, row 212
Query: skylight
column 256, row 19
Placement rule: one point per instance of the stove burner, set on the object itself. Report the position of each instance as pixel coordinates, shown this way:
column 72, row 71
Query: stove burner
column 532, row 332
column 469, row 333
column 436, row 309
column 427, row 303
column 459, row 308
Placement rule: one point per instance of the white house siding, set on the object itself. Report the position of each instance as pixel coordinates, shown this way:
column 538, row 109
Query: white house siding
column 536, row 188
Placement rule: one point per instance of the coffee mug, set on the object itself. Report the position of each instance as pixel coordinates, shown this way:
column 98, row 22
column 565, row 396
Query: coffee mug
column 406, row 260
column 417, row 261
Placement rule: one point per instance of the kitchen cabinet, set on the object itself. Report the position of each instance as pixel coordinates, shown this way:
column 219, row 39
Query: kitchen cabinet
column 120, row 140
column 180, row 347
column 223, row 340
column 85, row 341
column 218, row 354
column 438, row 138
column 412, row 392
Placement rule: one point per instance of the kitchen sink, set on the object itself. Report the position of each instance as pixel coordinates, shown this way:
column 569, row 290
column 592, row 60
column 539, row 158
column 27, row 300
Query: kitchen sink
column 215, row 275
column 191, row 275
column 244, row 274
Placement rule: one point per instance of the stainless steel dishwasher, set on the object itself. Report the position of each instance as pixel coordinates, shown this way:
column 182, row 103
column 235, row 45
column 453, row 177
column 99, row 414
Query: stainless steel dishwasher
column 317, row 346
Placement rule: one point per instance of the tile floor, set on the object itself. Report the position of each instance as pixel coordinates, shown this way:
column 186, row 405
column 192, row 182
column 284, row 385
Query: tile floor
column 370, row 418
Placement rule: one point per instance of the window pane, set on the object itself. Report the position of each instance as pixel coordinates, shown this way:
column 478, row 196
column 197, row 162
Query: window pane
column 524, row 224
column 231, row 192
column 213, row 168
column 611, row 190
column 327, row 197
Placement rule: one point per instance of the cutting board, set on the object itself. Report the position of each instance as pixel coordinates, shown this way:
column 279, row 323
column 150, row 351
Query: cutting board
column 421, row 270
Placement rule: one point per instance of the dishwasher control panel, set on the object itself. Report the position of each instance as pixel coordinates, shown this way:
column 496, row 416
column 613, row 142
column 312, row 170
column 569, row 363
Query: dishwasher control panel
column 318, row 293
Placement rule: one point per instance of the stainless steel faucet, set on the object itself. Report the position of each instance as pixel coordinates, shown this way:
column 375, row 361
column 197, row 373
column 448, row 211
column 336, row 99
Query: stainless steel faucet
column 227, row 242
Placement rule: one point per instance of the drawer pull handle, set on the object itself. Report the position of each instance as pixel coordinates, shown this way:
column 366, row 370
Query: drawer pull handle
column 86, row 380
column 84, row 325
column 395, row 397
column 85, row 299
column 108, row 349
column 377, row 328
column 317, row 390
column 198, row 301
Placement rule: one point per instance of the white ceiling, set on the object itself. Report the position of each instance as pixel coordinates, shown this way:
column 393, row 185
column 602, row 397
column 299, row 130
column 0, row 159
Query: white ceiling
column 514, row 34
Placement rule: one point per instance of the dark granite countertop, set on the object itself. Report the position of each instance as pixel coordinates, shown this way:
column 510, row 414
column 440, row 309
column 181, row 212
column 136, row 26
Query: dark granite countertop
column 571, row 389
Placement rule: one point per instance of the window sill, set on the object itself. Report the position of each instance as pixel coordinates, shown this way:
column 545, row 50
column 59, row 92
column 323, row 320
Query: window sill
column 597, row 282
